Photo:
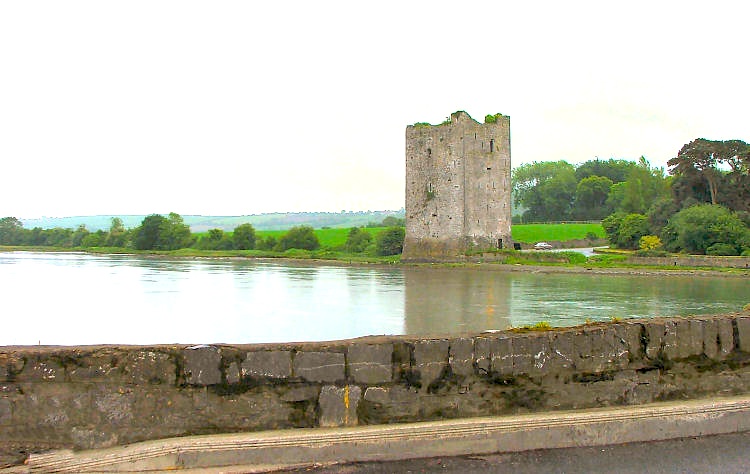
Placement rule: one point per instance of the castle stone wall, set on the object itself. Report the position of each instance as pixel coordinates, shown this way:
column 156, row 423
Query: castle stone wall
column 457, row 188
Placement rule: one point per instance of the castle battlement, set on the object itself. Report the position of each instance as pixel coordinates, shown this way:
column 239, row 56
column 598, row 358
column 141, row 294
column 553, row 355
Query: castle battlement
column 457, row 187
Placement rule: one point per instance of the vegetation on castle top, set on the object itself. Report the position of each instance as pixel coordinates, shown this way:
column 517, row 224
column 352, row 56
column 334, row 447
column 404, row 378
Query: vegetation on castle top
column 449, row 120
column 492, row 118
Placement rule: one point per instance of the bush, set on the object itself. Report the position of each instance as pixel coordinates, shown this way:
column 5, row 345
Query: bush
column 300, row 237
column 700, row 227
column 357, row 241
column 269, row 243
column 390, row 241
column 625, row 230
column 722, row 250
column 651, row 253
column 649, row 242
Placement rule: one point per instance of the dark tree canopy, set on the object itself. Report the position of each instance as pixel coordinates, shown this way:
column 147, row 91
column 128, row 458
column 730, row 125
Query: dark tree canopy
column 713, row 171
column 390, row 241
column 300, row 237
column 698, row 228
column 244, row 237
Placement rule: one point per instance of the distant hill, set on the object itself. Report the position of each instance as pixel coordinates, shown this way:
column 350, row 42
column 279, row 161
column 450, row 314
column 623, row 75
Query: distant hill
column 271, row 221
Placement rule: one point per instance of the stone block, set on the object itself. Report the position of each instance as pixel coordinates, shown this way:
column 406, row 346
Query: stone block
column 94, row 368
column 41, row 371
column 149, row 367
column 628, row 337
column 655, row 334
column 269, row 364
column 726, row 336
column 6, row 411
column 541, row 353
column 115, row 407
column 483, row 354
column 501, row 350
column 461, row 356
column 604, row 351
column 300, row 393
column 430, row 359
column 202, row 365
column 233, row 373
column 395, row 403
column 711, row 338
column 319, row 366
column 671, row 347
column 338, row 405
column 562, row 351
column 523, row 356
column 370, row 363
column 377, row 395
column 582, row 354
column 689, row 337
column 402, row 355
column 743, row 332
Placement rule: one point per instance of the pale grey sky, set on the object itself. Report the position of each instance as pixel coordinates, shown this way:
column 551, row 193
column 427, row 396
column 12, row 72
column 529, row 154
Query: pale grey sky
column 239, row 107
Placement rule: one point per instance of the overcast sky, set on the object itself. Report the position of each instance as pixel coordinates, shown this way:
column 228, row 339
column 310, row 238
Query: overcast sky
column 230, row 108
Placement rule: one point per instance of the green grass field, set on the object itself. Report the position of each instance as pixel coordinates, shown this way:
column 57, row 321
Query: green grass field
column 328, row 238
column 532, row 233
column 527, row 233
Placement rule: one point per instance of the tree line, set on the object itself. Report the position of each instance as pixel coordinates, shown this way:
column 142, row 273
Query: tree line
column 701, row 206
column 158, row 232
column 559, row 191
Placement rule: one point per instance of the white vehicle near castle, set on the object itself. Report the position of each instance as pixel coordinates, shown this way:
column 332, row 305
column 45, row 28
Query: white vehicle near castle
column 542, row 246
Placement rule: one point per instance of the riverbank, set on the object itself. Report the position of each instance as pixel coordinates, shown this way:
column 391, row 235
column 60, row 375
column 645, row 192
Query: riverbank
column 522, row 262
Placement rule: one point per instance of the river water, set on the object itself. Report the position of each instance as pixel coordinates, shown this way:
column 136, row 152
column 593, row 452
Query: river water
column 70, row 298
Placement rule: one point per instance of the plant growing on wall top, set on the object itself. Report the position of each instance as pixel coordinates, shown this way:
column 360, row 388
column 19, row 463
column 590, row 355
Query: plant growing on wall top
column 492, row 118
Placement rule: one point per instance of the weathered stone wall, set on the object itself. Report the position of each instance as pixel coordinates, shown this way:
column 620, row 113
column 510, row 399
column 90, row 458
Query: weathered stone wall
column 457, row 188
column 693, row 261
column 86, row 397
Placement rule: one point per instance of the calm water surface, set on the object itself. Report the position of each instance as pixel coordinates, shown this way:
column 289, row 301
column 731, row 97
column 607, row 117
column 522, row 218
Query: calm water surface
column 66, row 298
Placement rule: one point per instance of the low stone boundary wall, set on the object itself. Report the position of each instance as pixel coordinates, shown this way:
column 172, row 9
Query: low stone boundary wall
column 99, row 396
column 693, row 261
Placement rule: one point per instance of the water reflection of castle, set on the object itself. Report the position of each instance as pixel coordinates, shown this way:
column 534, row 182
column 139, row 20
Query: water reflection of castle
column 453, row 300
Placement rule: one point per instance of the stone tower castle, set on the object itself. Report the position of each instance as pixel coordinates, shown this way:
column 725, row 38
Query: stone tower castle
column 457, row 187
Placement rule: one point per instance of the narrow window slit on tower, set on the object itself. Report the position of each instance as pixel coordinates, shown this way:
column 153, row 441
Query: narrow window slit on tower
column 429, row 152
column 492, row 145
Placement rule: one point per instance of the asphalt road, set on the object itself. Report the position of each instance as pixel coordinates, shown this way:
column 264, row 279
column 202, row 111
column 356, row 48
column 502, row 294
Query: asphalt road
column 711, row 454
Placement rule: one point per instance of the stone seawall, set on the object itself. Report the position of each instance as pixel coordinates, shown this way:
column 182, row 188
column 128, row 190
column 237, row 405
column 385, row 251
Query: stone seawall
column 99, row 396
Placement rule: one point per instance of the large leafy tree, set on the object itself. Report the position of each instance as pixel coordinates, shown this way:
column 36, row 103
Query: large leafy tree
column 174, row 233
column 591, row 197
column 161, row 233
column 117, row 234
column 11, row 231
column 243, row 237
column 616, row 170
column 545, row 189
column 713, row 171
column 147, row 236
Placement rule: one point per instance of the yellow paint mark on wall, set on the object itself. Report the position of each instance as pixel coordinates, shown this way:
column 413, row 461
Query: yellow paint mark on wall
column 346, row 405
